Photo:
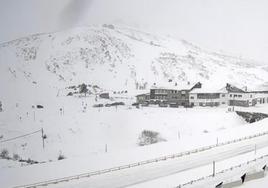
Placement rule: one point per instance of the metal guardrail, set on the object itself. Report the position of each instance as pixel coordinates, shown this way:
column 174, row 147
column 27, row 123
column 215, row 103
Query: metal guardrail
column 132, row 165
column 222, row 171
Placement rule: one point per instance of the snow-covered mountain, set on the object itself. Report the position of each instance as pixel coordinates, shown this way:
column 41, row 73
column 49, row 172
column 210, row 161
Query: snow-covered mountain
column 116, row 58
column 39, row 69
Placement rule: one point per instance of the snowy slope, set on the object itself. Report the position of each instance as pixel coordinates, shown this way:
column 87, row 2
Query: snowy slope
column 37, row 69
column 116, row 58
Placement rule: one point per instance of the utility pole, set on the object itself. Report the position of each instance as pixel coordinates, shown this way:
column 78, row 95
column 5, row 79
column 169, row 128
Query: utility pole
column 179, row 135
column 43, row 139
column 213, row 174
column 106, row 148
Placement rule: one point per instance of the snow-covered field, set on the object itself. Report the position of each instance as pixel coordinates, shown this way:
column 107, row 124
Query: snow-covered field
column 81, row 136
column 76, row 133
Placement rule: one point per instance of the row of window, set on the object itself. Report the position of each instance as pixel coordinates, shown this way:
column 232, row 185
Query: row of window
column 170, row 97
column 215, row 96
column 166, row 91
column 161, row 97
column 200, row 96
column 208, row 95
column 239, row 96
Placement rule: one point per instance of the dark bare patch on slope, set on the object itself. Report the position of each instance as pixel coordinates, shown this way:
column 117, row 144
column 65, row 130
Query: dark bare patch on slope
column 251, row 117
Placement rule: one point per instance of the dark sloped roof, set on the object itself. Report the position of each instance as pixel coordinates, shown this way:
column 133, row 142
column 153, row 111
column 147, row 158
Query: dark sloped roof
column 232, row 88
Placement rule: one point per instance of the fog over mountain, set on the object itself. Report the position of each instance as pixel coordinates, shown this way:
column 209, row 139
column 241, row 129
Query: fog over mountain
column 236, row 27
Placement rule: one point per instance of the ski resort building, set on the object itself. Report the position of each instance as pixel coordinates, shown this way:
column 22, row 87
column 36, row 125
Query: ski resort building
column 172, row 96
column 189, row 96
column 168, row 96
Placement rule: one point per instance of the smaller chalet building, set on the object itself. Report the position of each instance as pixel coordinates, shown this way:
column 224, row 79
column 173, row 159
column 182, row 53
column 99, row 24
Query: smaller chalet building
column 239, row 97
column 229, row 95
column 206, row 97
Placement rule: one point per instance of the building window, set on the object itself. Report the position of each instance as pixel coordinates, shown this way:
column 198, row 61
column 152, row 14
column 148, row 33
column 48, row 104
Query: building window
column 208, row 95
column 231, row 95
column 223, row 95
column 240, row 96
column 192, row 97
column 223, row 103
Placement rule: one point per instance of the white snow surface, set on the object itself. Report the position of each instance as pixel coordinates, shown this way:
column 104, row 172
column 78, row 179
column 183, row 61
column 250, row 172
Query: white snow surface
column 37, row 69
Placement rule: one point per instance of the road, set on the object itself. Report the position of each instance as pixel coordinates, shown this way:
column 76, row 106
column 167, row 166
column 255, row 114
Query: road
column 140, row 174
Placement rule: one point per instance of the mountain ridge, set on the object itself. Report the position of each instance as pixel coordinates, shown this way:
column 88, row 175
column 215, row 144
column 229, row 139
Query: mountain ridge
column 120, row 58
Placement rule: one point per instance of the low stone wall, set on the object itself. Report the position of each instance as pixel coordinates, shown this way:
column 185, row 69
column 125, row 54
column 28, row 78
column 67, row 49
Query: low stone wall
column 252, row 117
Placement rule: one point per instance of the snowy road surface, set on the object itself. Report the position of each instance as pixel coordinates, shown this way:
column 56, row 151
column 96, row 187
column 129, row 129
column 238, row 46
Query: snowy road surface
column 140, row 174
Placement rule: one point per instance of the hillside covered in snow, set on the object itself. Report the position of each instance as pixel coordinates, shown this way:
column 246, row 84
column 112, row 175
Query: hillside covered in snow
column 115, row 58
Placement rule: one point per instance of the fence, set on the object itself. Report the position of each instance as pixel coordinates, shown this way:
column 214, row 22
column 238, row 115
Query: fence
column 163, row 158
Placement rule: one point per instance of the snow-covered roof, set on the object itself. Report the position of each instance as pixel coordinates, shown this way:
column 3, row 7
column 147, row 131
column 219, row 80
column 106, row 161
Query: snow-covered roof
column 143, row 94
column 209, row 90
column 259, row 88
column 174, row 87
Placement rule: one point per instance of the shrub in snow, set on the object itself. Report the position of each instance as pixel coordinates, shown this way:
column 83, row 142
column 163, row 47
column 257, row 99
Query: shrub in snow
column 83, row 89
column 16, row 157
column 117, row 103
column 205, row 131
column 98, row 105
column 61, row 157
column 29, row 161
column 39, row 106
column 70, row 94
column 110, row 26
column 4, row 154
column 148, row 137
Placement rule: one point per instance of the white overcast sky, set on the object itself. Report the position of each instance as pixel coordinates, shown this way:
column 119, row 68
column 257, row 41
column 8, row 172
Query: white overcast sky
column 238, row 27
